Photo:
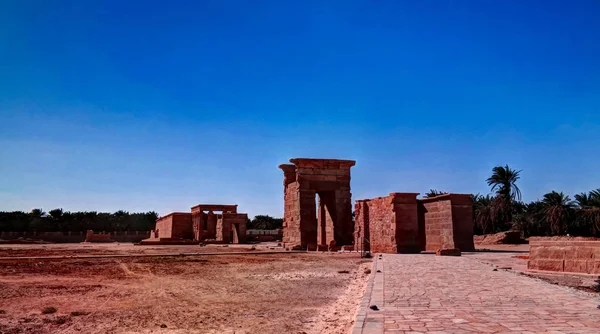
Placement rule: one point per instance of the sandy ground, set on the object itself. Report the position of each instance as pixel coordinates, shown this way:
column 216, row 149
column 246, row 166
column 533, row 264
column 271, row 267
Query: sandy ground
column 268, row 293
column 82, row 249
column 514, row 258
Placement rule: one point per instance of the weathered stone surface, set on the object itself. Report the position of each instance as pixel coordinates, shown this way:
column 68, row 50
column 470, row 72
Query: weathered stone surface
column 401, row 223
column 568, row 254
column 428, row 294
column 305, row 222
column 446, row 221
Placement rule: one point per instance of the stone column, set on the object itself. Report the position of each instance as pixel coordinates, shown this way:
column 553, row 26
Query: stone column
column 211, row 225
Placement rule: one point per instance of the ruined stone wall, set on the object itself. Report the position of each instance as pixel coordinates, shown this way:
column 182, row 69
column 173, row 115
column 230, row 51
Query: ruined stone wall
column 164, row 227
column 361, row 226
column 90, row 236
column 407, row 222
column 382, row 225
column 564, row 254
column 232, row 222
column 462, row 220
column 446, row 222
column 437, row 218
column 180, row 226
column 392, row 223
column 241, row 221
column 198, row 218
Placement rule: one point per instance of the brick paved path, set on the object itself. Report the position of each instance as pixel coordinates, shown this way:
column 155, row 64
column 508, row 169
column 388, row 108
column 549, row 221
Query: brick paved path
column 429, row 294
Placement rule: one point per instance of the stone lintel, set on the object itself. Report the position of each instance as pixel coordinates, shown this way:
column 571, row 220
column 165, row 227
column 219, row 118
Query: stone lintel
column 215, row 207
column 322, row 163
column 404, row 198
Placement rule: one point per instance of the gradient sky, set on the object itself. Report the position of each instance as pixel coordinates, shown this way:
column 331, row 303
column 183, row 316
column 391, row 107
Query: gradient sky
column 148, row 105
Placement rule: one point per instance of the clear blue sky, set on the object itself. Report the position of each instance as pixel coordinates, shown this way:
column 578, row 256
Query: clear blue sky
column 147, row 105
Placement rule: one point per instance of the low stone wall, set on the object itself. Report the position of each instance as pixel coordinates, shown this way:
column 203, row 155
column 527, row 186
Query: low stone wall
column 564, row 254
column 74, row 236
column 90, row 236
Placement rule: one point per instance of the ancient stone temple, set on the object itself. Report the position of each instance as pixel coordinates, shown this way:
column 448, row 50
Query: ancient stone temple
column 206, row 223
column 401, row 223
column 311, row 224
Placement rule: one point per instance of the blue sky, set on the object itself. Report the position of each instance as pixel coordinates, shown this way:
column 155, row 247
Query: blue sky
column 148, row 105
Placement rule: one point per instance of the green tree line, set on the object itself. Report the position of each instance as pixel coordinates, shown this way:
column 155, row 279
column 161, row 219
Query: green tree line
column 554, row 214
column 59, row 220
column 265, row 222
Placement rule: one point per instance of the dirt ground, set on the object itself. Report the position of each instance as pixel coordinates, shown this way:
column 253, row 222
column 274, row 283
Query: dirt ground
column 83, row 249
column 259, row 293
column 514, row 258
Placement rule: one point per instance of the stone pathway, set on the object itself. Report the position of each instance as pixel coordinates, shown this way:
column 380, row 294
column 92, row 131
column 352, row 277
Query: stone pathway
column 431, row 294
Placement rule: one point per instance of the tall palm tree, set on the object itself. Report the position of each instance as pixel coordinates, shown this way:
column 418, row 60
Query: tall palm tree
column 589, row 215
column 557, row 208
column 37, row 213
column 589, row 200
column 56, row 213
column 504, row 182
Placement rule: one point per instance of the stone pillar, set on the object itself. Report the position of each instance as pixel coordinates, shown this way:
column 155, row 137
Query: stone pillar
column 322, row 223
column 343, row 227
column 223, row 229
column 211, row 219
column 407, row 222
column 308, row 218
column 361, row 225
column 198, row 219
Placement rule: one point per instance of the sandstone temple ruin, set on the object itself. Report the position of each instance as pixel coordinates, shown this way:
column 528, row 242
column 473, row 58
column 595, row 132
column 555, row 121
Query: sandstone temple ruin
column 307, row 224
column 397, row 223
column 401, row 223
column 205, row 223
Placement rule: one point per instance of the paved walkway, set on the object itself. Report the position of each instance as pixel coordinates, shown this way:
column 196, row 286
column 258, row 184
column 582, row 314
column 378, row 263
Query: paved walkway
column 432, row 294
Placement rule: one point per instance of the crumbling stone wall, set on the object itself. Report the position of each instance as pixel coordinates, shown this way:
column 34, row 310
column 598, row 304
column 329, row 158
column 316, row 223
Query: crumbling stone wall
column 90, row 236
column 331, row 223
column 176, row 225
column 231, row 227
column 446, row 222
column 564, row 254
column 401, row 223
column 361, row 226
column 391, row 222
column 205, row 223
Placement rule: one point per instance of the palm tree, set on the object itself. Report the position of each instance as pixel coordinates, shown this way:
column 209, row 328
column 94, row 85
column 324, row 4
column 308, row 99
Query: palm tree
column 589, row 200
column 37, row 213
column 530, row 219
column 434, row 193
column 557, row 208
column 483, row 213
column 589, row 215
column 56, row 213
column 504, row 182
